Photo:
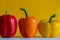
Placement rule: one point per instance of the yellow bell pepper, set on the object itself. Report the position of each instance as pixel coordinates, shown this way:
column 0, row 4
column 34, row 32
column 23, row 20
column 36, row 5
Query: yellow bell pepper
column 50, row 29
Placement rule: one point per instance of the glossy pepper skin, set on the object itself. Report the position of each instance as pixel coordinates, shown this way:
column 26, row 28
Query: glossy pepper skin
column 49, row 29
column 27, row 26
column 8, row 26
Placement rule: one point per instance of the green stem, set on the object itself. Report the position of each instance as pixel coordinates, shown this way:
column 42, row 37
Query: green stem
column 24, row 11
column 53, row 16
column 6, row 12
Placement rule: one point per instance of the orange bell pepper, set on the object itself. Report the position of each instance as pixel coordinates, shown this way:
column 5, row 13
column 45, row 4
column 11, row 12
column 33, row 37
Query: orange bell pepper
column 27, row 26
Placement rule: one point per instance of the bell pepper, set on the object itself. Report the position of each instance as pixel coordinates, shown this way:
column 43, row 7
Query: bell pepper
column 8, row 25
column 27, row 26
column 49, row 29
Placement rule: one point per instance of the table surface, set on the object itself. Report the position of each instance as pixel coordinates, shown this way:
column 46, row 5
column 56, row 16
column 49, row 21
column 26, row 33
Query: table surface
column 29, row 38
column 37, row 37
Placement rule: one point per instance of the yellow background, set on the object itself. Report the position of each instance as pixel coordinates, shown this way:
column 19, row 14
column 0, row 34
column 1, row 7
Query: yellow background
column 41, row 9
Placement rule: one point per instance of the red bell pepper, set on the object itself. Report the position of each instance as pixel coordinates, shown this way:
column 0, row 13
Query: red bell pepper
column 8, row 25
